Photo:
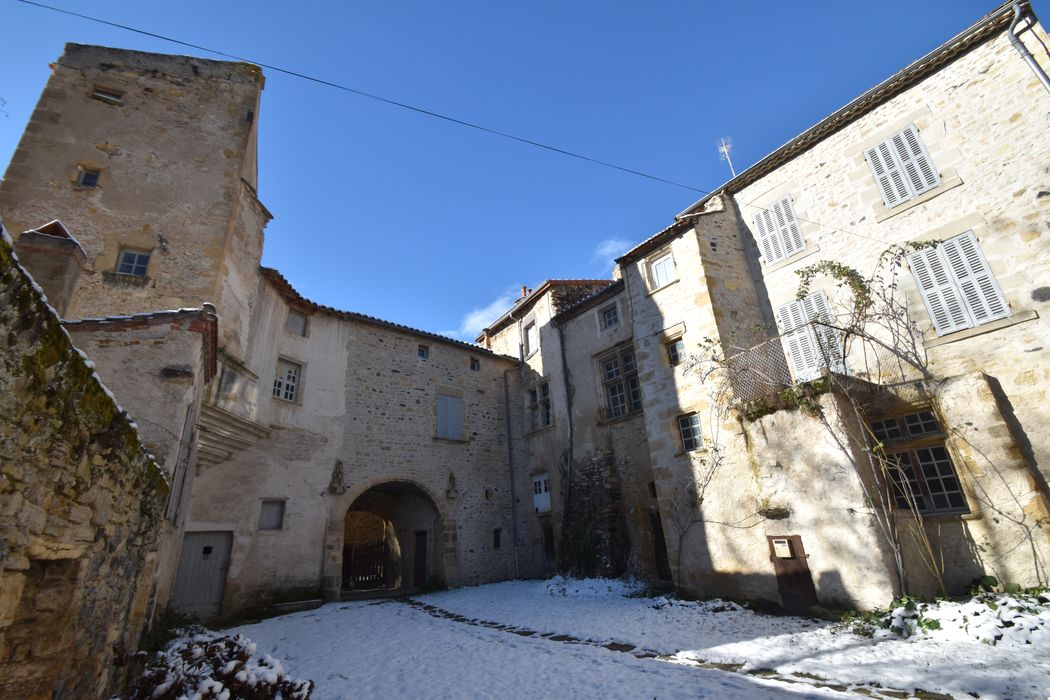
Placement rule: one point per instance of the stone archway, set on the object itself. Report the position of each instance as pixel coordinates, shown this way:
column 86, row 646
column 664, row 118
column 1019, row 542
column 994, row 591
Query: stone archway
column 392, row 538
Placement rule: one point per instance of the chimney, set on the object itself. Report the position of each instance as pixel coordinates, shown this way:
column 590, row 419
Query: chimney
column 524, row 291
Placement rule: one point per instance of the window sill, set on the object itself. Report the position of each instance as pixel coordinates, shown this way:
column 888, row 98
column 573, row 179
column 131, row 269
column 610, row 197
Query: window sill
column 649, row 291
column 805, row 252
column 125, row 279
column 1022, row 317
column 683, row 453
column 286, row 402
column 620, row 419
column 451, row 441
column 948, row 183
column 537, row 431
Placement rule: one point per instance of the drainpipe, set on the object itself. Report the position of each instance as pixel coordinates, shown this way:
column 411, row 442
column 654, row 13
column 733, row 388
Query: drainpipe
column 568, row 404
column 1023, row 50
column 510, row 468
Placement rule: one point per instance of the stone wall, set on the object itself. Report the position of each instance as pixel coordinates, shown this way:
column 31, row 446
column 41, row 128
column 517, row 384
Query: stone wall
column 80, row 503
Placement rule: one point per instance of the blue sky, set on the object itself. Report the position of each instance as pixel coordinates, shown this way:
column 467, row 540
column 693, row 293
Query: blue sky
column 422, row 222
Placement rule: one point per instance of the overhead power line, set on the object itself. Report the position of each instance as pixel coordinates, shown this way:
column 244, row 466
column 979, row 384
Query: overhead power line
column 412, row 108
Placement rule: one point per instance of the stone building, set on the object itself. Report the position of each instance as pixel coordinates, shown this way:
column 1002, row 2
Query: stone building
column 689, row 419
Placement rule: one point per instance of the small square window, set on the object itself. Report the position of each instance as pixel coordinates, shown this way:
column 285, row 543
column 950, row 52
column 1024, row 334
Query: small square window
column 88, row 177
column 133, row 262
column 271, row 516
column 111, row 97
column 675, row 351
column 475, row 364
column 286, row 383
column 689, row 429
column 295, row 323
column 609, row 317
column 423, row 352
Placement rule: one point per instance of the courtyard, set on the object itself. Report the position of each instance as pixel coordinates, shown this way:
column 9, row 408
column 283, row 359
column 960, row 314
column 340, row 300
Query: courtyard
column 608, row 639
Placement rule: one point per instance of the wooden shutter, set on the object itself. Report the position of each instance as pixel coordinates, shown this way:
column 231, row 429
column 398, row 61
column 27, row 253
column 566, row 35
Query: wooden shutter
column 788, row 227
column 968, row 266
column 915, row 161
column 818, row 312
column 798, row 340
column 887, row 174
column 939, row 293
column 449, row 417
column 767, row 236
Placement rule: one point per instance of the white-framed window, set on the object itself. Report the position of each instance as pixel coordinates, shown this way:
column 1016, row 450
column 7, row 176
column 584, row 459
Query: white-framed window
column 779, row 234
column 271, row 514
column 675, row 351
column 287, row 380
column 608, row 317
column 133, row 262
column 689, row 432
column 295, row 323
column 661, row 270
column 531, row 339
column 957, row 286
column 918, row 462
column 541, row 493
column 812, row 345
column 449, row 417
column 540, row 406
column 902, row 167
column 619, row 375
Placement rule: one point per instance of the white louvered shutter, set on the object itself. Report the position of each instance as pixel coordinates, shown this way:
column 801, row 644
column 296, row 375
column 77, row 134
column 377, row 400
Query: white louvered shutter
column 767, row 236
column 799, row 341
column 968, row 266
column 818, row 312
column 915, row 161
column 887, row 174
column 788, row 224
column 939, row 292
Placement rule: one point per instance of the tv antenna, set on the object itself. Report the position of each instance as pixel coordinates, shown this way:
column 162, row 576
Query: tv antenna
column 724, row 146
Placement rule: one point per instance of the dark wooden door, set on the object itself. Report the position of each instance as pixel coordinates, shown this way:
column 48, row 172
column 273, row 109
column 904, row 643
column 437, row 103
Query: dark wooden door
column 420, row 571
column 794, row 581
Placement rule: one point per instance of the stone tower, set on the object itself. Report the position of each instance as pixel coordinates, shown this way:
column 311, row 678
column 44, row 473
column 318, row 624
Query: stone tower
column 149, row 161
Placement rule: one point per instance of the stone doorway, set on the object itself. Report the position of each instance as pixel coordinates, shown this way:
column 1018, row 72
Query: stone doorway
column 391, row 533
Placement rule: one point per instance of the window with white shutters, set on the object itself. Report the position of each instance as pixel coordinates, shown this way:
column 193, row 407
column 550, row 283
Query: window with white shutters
column 902, row 168
column 812, row 345
column 956, row 284
column 779, row 235
column 449, row 417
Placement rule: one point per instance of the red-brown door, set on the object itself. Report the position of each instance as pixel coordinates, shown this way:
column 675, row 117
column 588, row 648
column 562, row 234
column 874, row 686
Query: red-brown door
column 794, row 582
column 420, row 572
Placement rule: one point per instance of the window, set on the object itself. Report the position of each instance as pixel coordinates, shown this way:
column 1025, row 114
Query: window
column 532, row 341
column 609, row 317
column 449, row 417
column 286, row 383
column 133, row 262
column 541, row 493
column 295, row 323
column 957, row 285
column 475, row 364
column 539, row 406
column 919, row 465
column 779, row 235
column 497, row 535
column 811, row 345
column 423, row 351
column 661, row 270
column 86, row 177
column 902, row 168
column 689, row 430
column 675, row 351
column 108, row 96
column 271, row 516
column 619, row 375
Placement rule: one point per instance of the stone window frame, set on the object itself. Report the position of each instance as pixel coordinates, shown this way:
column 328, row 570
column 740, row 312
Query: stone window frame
column 306, row 322
column 88, row 178
column 915, row 433
column 444, row 433
column 475, row 364
column 109, row 96
column 650, row 263
column 280, row 520
column 672, row 354
column 138, row 253
column 618, row 380
column 280, row 389
column 538, row 406
column 526, row 345
column 690, row 433
column 423, row 351
column 603, row 318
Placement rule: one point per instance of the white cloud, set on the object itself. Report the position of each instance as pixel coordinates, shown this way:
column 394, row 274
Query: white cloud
column 606, row 252
column 475, row 320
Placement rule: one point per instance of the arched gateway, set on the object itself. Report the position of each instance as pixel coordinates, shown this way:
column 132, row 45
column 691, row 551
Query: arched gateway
column 390, row 537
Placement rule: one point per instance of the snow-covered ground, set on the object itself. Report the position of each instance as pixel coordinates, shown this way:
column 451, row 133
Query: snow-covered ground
column 394, row 649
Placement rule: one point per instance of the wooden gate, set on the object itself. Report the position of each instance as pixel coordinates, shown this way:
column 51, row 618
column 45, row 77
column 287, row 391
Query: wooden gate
column 201, row 577
column 794, row 582
column 365, row 565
